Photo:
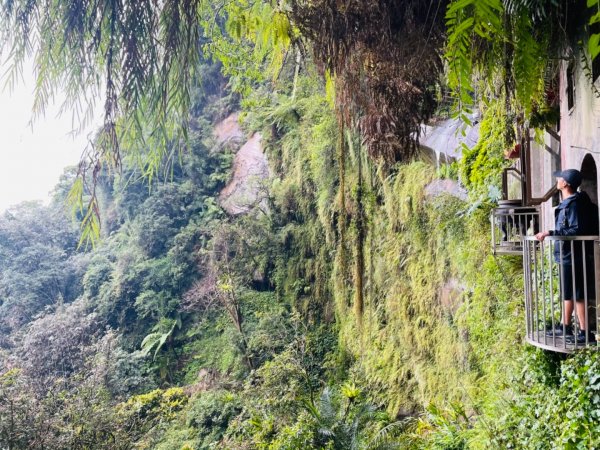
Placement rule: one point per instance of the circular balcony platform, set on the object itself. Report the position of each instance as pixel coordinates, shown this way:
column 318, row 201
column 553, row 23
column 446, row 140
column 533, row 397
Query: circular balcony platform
column 510, row 224
column 556, row 344
column 556, row 271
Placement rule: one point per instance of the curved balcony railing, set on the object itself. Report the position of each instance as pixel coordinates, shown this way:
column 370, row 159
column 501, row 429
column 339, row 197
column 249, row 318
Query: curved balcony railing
column 510, row 224
column 557, row 269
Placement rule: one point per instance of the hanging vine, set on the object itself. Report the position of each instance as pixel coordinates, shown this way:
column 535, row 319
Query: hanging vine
column 360, row 221
column 342, row 211
column 386, row 60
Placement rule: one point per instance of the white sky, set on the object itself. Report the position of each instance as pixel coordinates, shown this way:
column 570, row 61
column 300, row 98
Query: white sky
column 32, row 157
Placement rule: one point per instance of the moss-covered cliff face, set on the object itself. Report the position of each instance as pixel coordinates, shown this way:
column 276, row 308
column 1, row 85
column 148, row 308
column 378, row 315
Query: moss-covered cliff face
column 438, row 301
column 438, row 334
column 434, row 299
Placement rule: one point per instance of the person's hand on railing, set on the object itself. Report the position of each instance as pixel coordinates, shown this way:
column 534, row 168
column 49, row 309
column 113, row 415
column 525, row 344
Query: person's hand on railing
column 542, row 235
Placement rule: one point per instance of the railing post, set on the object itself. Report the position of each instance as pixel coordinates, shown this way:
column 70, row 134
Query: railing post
column 597, row 284
column 574, row 299
column 585, row 294
column 552, row 312
column 537, row 297
column 526, row 266
column 542, row 273
column 562, row 295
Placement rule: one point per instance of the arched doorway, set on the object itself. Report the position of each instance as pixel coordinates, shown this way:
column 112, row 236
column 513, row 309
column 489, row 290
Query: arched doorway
column 589, row 184
column 589, row 174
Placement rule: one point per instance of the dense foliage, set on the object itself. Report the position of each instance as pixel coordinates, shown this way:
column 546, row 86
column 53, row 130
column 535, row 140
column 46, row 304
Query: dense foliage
column 188, row 328
column 354, row 307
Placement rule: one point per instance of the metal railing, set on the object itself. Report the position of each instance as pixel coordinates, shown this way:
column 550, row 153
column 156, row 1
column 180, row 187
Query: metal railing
column 510, row 225
column 557, row 271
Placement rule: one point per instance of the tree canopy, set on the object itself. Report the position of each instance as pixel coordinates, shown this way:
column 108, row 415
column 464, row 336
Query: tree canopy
column 140, row 58
column 387, row 59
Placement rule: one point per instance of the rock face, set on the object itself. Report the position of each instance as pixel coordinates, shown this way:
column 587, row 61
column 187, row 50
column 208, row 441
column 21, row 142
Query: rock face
column 442, row 143
column 451, row 187
column 246, row 189
column 450, row 295
column 228, row 130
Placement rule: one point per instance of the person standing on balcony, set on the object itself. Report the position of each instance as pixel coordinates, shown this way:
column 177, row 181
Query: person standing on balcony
column 575, row 216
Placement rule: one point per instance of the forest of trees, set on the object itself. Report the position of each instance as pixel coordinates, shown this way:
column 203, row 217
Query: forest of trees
column 349, row 308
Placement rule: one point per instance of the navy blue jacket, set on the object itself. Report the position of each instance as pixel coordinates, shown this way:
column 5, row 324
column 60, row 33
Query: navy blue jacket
column 575, row 216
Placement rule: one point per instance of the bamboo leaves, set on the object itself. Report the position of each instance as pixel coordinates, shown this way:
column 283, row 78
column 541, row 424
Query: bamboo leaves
column 259, row 37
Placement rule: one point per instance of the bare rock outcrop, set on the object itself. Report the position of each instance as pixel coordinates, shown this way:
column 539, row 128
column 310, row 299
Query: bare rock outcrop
column 450, row 187
column 247, row 187
column 229, row 130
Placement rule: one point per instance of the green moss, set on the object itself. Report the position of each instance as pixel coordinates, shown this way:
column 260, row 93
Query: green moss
column 435, row 301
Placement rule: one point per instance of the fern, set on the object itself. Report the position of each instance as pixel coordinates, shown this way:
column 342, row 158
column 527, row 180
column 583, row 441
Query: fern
column 468, row 22
column 158, row 339
column 507, row 44
column 529, row 62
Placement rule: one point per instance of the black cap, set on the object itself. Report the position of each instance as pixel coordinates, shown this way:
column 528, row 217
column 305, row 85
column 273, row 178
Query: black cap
column 571, row 176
